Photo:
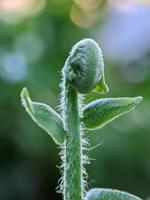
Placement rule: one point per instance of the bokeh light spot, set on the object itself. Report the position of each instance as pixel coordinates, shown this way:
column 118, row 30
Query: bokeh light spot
column 13, row 67
column 88, row 5
column 17, row 10
column 128, row 5
column 84, row 19
column 31, row 45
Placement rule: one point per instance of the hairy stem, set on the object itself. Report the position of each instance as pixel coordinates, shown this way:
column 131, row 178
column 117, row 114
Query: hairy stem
column 73, row 183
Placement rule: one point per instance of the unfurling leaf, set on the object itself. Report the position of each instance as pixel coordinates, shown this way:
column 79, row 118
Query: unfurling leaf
column 45, row 117
column 99, row 112
column 84, row 67
column 109, row 194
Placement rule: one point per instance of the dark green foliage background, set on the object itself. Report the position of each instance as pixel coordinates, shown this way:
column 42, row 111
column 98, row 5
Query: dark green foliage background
column 28, row 156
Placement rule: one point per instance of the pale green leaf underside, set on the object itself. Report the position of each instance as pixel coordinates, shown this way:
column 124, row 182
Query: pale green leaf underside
column 109, row 194
column 99, row 112
column 45, row 117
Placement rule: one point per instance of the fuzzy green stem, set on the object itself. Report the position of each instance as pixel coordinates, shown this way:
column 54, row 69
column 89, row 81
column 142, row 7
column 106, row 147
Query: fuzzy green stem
column 73, row 183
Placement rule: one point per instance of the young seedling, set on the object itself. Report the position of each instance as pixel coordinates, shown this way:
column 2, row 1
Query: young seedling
column 82, row 73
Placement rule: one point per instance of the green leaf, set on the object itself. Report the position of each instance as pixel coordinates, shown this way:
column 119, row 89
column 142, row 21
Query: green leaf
column 99, row 112
column 45, row 117
column 109, row 194
column 101, row 87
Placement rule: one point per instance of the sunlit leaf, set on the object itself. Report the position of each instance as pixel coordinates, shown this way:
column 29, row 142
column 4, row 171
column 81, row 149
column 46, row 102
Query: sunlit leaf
column 101, row 87
column 45, row 117
column 99, row 112
column 109, row 194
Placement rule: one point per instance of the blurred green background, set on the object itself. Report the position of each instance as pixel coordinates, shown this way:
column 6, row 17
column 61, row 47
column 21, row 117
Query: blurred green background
column 35, row 38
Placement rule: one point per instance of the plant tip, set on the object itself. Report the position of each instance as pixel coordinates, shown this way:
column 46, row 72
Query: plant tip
column 138, row 99
column 24, row 93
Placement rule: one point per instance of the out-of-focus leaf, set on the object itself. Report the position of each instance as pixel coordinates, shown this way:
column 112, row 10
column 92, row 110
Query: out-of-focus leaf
column 45, row 117
column 109, row 194
column 99, row 112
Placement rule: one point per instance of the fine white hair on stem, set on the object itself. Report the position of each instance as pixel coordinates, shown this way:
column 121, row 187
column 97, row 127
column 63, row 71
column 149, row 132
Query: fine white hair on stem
column 84, row 142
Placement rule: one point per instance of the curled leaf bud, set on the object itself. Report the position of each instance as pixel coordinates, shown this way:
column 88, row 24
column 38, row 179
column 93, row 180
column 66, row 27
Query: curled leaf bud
column 84, row 67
